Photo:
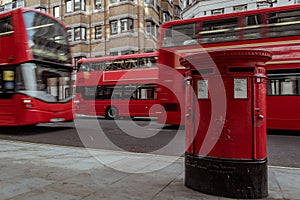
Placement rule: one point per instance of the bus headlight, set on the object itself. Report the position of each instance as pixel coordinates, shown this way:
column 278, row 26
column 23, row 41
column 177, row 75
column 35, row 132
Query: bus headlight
column 76, row 101
column 28, row 103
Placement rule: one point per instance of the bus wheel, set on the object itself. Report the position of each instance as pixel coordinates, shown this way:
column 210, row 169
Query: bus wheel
column 111, row 113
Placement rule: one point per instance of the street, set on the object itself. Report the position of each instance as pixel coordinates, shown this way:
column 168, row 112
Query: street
column 139, row 135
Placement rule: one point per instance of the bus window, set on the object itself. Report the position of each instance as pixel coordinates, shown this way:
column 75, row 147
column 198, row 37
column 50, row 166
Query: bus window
column 108, row 92
column 88, row 92
column 181, row 35
column 6, row 27
column 117, row 92
column 7, row 80
column 99, row 93
column 222, row 30
column 285, row 23
column 84, row 67
column 146, row 92
column 284, row 85
column 253, row 27
column 129, row 92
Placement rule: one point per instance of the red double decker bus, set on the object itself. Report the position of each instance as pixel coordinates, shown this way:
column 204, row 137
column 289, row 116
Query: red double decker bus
column 35, row 69
column 116, row 86
column 275, row 29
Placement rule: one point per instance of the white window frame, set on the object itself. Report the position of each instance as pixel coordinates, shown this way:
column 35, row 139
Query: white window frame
column 124, row 25
column 114, row 27
column 217, row 11
column 98, row 32
column 56, row 11
column 70, row 35
column 261, row 5
column 148, row 27
column 79, row 33
column 240, row 8
column 79, row 5
column 69, row 6
column 98, row 4
column 155, row 30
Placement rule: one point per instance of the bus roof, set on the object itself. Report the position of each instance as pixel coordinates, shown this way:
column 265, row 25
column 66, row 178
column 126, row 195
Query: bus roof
column 230, row 15
column 107, row 58
column 26, row 9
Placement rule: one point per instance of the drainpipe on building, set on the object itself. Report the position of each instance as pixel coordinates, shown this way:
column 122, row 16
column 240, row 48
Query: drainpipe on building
column 90, row 31
column 106, row 17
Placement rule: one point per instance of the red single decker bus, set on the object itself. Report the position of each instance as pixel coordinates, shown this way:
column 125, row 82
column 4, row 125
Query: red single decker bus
column 35, row 69
column 275, row 29
column 116, row 86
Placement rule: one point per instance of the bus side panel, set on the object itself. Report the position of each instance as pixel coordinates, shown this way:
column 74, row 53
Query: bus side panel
column 140, row 108
column 283, row 112
column 41, row 112
column 7, row 112
column 100, row 106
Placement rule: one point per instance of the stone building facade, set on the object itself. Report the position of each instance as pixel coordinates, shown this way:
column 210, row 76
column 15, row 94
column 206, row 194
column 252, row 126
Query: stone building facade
column 107, row 27
column 201, row 8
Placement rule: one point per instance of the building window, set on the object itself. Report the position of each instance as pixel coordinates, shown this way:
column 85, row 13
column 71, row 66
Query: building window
column 155, row 30
column 217, row 11
column 166, row 16
column 98, row 32
column 239, row 8
column 70, row 35
column 79, row 33
column 42, row 9
column 114, row 27
column 98, row 4
column 154, row 3
column 151, row 28
column 148, row 27
column 113, row 54
column 113, row 1
column 126, row 25
column 79, row 5
column 56, row 11
column 177, row 10
column 69, row 6
column 127, row 52
column 184, row 4
column 260, row 5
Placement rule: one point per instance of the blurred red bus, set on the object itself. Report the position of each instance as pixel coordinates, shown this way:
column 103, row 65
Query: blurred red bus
column 116, row 86
column 36, row 81
column 276, row 29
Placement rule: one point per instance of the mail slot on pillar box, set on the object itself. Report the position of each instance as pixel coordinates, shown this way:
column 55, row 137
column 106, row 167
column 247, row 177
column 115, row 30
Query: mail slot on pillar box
column 226, row 122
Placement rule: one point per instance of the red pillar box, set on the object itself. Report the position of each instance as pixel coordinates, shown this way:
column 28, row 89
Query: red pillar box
column 226, row 153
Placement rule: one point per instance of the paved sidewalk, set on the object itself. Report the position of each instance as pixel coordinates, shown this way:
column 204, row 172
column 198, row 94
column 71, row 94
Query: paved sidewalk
column 35, row 171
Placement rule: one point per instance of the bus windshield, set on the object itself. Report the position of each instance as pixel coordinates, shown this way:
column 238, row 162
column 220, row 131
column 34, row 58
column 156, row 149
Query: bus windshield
column 47, row 38
column 44, row 82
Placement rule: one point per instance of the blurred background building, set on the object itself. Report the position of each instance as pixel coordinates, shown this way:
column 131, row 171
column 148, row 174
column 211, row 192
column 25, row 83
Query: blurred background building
column 117, row 27
column 107, row 27
column 200, row 8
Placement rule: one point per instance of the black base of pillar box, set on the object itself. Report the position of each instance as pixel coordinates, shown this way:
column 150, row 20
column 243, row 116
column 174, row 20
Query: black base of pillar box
column 227, row 178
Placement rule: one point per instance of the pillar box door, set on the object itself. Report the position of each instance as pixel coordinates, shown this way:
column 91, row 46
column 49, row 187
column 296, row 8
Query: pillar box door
column 227, row 155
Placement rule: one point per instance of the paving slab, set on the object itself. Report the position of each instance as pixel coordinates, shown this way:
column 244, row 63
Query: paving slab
column 35, row 171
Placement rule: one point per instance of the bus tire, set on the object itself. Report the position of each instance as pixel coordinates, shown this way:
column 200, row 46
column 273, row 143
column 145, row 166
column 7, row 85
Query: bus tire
column 111, row 113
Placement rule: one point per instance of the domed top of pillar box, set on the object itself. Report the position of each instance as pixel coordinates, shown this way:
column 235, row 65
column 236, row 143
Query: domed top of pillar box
column 227, row 57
